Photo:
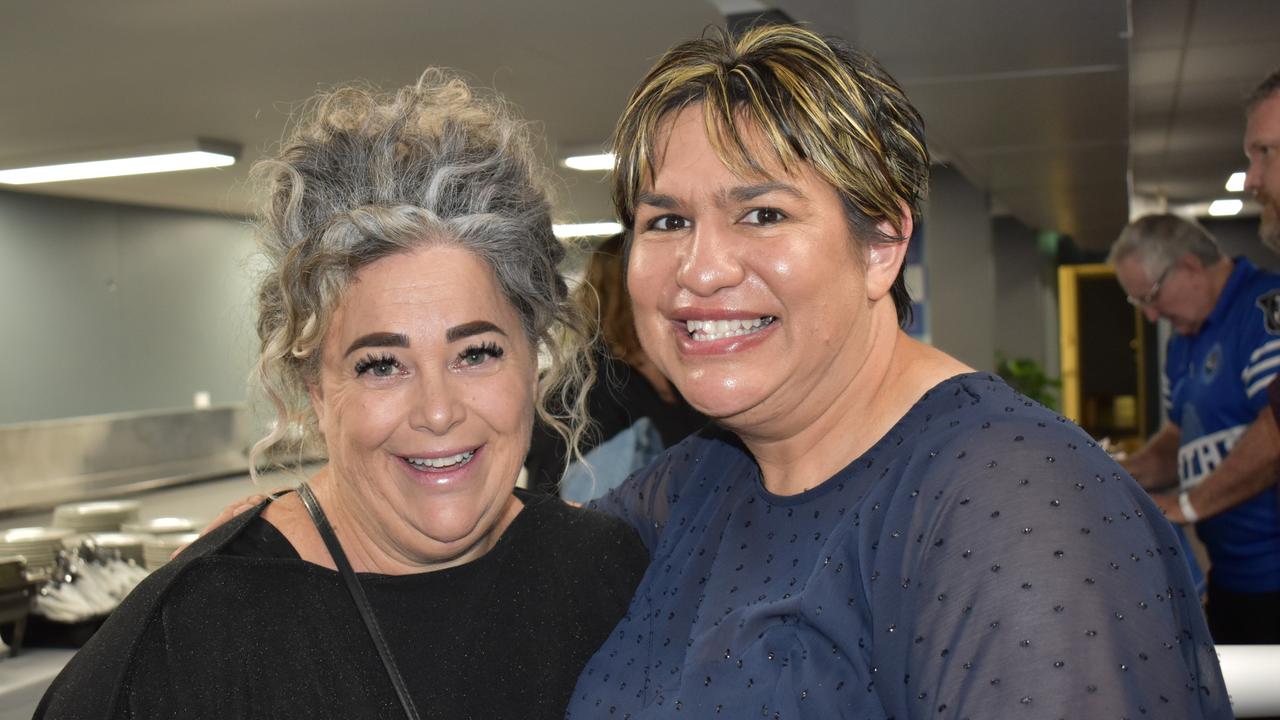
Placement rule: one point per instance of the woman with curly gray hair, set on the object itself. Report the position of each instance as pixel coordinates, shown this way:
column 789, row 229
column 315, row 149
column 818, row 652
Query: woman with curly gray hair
column 412, row 283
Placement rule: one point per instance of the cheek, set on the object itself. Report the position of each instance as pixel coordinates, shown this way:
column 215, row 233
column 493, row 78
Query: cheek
column 367, row 418
column 648, row 271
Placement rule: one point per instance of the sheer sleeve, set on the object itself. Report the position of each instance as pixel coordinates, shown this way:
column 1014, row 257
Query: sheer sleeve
column 643, row 500
column 1038, row 580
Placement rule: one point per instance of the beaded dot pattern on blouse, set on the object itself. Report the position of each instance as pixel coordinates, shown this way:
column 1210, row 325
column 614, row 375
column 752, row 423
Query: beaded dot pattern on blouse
column 983, row 559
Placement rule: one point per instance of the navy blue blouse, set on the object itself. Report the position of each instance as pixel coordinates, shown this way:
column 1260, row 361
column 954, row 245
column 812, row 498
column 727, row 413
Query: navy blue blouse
column 984, row 559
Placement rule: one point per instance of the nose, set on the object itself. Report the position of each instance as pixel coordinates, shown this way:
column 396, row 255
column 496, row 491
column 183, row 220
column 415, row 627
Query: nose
column 1253, row 176
column 436, row 407
column 709, row 261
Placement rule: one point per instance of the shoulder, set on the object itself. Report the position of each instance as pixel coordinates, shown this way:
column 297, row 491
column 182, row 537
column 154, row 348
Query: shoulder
column 98, row 674
column 1008, row 454
column 587, row 535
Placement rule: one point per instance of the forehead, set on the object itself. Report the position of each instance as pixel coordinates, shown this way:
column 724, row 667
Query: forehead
column 684, row 154
column 422, row 292
column 1263, row 123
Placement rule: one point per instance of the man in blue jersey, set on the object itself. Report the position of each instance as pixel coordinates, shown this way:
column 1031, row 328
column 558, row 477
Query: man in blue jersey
column 1226, row 352
column 1254, row 462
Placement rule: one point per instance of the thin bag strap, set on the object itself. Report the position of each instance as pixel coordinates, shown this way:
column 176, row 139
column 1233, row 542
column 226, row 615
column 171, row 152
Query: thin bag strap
column 357, row 594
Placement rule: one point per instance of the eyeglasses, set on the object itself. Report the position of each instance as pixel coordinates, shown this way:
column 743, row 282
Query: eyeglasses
column 1150, row 297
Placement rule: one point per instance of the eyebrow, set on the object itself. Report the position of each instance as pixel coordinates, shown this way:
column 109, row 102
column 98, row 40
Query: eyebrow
column 475, row 327
column 744, row 193
column 400, row 340
column 740, row 194
column 383, row 339
column 666, row 202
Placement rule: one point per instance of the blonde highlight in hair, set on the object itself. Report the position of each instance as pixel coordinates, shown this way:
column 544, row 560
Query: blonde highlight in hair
column 811, row 98
column 366, row 175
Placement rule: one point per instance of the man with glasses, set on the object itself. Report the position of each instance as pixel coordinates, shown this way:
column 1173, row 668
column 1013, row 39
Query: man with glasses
column 1223, row 356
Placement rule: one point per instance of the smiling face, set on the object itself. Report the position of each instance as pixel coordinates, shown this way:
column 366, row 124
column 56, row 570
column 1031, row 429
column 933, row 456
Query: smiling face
column 750, row 293
column 425, row 400
column 1261, row 146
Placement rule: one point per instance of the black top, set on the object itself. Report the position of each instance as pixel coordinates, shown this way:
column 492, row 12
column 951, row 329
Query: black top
column 620, row 396
column 984, row 559
column 239, row 626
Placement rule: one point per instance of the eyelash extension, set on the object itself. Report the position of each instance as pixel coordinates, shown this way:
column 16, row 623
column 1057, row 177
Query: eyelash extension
column 489, row 348
column 371, row 360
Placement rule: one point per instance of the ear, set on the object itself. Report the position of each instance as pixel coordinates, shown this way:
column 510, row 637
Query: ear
column 885, row 259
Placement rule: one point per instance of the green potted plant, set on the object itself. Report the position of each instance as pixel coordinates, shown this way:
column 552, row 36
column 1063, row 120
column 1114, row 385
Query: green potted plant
column 1029, row 378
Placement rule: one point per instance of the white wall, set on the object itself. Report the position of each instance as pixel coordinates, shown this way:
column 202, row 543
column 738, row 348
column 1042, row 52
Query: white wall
column 959, row 258
column 108, row 308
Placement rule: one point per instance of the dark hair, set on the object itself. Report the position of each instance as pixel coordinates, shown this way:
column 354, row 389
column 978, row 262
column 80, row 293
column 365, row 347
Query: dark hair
column 815, row 101
column 1269, row 86
column 603, row 297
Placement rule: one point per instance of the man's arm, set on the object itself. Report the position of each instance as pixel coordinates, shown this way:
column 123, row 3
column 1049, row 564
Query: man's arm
column 1247, row 470
column 1155, row 466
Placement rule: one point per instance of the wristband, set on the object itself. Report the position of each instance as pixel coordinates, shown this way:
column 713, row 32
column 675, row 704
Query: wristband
column 1188, row 512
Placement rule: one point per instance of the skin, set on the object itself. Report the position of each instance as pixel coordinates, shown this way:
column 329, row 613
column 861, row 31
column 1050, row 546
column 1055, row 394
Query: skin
column 1261, row 146
column 814, row 389
column 1186, row 297
column 434, row 391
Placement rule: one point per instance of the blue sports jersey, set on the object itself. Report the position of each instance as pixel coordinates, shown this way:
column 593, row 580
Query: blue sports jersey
column 1216, row 385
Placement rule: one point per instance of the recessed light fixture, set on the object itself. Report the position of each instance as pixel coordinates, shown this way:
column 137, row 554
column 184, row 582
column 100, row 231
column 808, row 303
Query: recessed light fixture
column 1218, row 208
column 602, row 161
column 1235, row 183
column 188, row 156
column 581, row 230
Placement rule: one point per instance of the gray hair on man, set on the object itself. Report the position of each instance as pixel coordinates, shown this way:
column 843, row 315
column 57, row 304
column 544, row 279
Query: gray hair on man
column 1160, row 240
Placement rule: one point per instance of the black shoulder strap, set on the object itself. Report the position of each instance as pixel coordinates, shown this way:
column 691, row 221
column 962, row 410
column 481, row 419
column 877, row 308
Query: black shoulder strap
column 357, row 594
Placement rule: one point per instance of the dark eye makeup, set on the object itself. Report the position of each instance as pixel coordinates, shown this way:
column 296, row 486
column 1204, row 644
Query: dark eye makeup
column 382, row 365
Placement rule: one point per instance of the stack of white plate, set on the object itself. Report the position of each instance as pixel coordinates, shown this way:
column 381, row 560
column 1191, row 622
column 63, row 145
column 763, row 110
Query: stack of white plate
column 95, row 517
column 161, row 526
column 38, row 545
column 129, row 544
column 157, row 549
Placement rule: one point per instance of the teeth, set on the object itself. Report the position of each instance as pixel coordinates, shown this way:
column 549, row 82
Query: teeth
column 704, row 330
column 444, row 462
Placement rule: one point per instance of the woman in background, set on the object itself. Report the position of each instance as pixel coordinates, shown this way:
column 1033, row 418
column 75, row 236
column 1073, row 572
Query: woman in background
column 635, row 412
column 412, row 279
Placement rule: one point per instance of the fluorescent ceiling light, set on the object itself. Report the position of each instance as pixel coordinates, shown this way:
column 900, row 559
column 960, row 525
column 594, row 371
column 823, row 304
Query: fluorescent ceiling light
column 603, row 161
column 1235, row 183
column 1225, row 207
column 194, row 156
column 578, row 230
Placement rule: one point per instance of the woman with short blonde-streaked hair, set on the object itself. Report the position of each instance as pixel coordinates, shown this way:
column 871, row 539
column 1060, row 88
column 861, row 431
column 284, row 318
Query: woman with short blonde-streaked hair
column 873, row 529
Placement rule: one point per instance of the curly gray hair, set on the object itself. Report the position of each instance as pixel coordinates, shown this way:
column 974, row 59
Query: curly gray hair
column 366, row 175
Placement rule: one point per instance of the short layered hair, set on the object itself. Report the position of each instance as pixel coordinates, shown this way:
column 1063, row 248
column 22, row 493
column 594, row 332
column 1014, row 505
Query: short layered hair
column 813, row 99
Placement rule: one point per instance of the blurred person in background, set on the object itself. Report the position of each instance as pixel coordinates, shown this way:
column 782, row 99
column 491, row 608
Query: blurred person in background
column 412, row 280
column 635, row 411
column 1226, row 352
column 1254, row 462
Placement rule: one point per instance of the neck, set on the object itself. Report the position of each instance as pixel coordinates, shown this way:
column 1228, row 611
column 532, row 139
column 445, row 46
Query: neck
column 848, row 411
column 367, row 546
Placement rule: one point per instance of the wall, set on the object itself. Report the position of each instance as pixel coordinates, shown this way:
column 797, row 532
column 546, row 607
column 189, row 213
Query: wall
column 1026, row 295
column 107, row 308
column 961, row 269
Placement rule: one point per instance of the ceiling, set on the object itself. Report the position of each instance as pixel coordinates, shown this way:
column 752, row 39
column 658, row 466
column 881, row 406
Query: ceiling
column 1042, row 103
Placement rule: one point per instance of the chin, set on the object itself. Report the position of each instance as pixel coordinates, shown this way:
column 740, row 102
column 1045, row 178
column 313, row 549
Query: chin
column 721, row 396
